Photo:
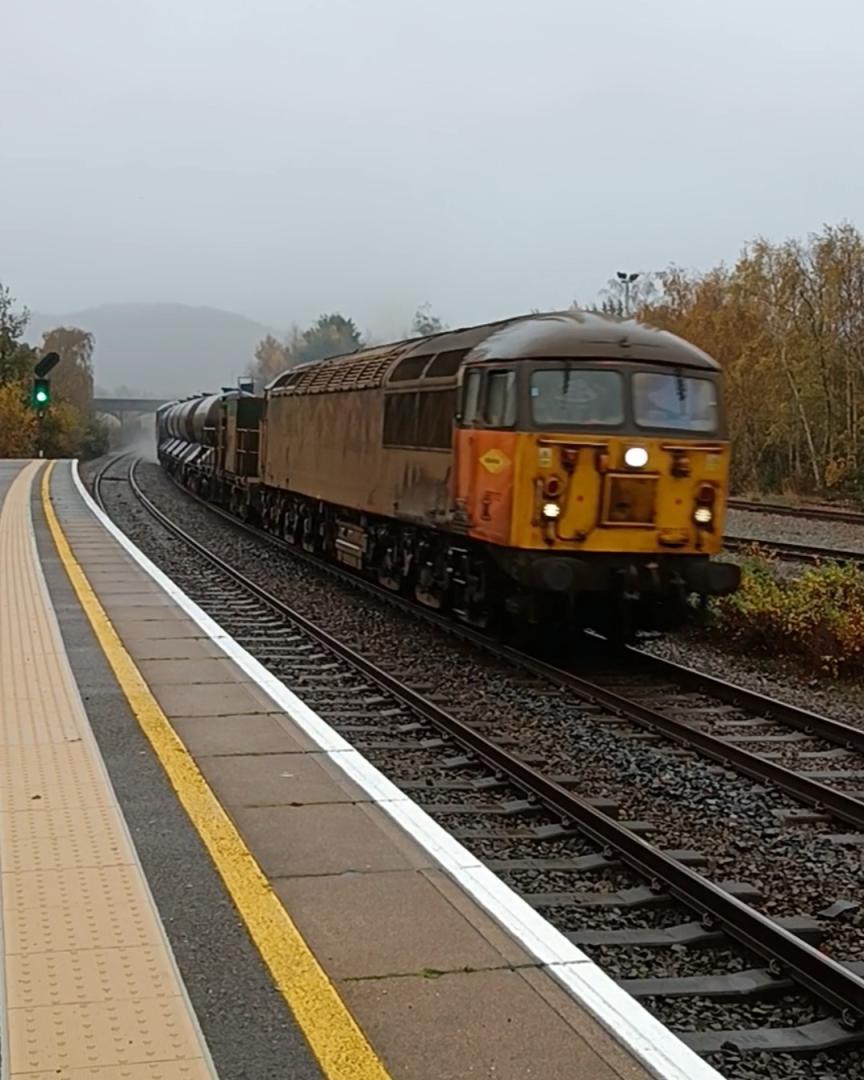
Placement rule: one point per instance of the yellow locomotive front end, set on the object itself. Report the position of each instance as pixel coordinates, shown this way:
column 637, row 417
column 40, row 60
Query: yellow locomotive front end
column 598, row 479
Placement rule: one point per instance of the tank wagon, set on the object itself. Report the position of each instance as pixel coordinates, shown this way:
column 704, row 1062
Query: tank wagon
column 560, row 468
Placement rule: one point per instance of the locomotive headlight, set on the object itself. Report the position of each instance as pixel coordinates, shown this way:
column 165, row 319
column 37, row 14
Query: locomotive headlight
column 551, row 511
column 636, row 457
column 703, row 515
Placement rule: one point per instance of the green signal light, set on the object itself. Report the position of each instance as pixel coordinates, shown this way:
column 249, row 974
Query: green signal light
column 41, row 396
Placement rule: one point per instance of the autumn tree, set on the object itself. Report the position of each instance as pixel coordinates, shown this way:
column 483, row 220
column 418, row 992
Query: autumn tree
column 622, row 298
column 272, row 357
column 16, row 358
column 68, row 428
column 786, row 322
column 72, row 379
column 425, row 322
column 331, row 335
column 17, row 422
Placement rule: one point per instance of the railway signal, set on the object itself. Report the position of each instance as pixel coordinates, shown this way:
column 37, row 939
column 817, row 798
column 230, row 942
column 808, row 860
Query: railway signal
column 40, row 395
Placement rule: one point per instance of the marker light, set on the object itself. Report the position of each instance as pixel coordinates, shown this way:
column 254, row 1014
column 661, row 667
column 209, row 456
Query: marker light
column 636, row 457
column 551, row 511
column 703, row 515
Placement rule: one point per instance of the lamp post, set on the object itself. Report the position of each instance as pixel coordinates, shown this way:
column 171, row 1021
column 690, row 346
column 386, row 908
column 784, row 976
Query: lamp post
column 626, row 280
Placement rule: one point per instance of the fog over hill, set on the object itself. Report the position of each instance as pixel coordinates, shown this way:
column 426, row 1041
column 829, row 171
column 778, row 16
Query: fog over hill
column 161, row 350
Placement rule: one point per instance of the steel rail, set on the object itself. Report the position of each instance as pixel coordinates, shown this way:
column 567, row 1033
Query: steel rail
column 816, row 513
column 786, row 953
column 824, row 727
column 100, row 476
column 789, row 551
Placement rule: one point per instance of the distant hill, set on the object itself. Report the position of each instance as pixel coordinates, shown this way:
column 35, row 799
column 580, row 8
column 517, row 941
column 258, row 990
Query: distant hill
column 161, row 349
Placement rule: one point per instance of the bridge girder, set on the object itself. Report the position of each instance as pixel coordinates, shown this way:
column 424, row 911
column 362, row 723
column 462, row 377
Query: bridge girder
column 121, row 407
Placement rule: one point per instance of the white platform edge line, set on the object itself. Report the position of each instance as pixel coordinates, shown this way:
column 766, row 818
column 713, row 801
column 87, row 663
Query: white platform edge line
column 90, row 737
column 658, row 1049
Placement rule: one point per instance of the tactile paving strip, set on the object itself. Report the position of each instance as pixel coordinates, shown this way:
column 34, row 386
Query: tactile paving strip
column 90, row 985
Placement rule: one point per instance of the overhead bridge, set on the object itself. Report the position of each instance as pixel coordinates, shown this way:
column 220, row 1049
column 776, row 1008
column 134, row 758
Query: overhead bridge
column 120, row 407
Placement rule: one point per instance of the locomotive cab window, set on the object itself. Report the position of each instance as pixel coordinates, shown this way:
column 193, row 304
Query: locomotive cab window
column 499, row 409
column 471, row 396
column 674, row 401
column 489, row 398
column 577, row 396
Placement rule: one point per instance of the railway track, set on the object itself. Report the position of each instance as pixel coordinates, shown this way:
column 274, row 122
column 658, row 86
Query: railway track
column 799, row 550
column 814, row 513
column 569, row 855
column 789, row 551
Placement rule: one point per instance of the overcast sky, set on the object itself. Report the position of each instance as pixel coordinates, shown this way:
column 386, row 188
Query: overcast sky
column 284, row 157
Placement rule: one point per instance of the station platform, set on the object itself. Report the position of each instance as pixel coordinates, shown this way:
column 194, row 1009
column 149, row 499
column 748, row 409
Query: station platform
column 201, row 879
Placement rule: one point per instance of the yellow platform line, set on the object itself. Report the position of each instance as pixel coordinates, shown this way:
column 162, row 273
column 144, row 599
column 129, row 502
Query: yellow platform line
column 336, row 1040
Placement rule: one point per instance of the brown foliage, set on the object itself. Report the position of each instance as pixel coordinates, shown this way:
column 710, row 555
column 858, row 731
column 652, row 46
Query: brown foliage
column 72, row 379
column 17, row 422
column 786, row 322
column 271, row 359
column 330, row 335
column 68, row 428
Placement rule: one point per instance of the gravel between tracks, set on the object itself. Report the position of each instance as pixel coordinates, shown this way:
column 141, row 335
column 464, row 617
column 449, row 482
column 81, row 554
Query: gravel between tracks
column 690, row 803
column 842, row 535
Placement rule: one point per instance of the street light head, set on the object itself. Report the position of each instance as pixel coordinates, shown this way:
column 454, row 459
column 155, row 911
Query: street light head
column 621, row 275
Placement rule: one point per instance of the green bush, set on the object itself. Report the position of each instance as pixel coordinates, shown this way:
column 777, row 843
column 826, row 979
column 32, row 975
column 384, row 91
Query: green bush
column 816, row 616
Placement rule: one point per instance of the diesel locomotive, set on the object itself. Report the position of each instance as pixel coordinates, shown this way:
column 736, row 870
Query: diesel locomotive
column 566, row 469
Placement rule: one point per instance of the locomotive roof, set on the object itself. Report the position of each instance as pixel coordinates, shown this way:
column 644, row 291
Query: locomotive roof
column 588, row 335
column 561, row 334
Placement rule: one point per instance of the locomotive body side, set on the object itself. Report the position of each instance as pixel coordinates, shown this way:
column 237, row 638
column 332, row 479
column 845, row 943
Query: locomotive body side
column 326, row 440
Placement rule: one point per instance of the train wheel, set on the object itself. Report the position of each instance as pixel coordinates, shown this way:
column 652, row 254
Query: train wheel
column 308, row 533
column 471, row 591
column 389, row 570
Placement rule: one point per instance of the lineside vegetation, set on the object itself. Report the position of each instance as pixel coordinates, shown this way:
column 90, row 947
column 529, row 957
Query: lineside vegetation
column 786, row 323
column 69, row 428
column 815, row 616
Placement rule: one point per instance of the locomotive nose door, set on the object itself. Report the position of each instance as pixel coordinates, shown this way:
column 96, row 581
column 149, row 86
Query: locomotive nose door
column 485, row 454
column 464, row 446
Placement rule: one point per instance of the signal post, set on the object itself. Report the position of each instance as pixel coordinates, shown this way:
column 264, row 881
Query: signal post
column 40, row 394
